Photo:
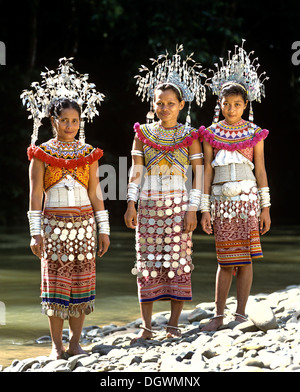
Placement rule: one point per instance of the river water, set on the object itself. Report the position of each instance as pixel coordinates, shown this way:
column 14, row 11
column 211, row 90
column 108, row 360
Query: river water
column 116, row 300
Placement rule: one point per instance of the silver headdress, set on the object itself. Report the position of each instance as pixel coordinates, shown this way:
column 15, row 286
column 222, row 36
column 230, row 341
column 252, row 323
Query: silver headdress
column 66, row 83
column 184, row 75
column 240, row 70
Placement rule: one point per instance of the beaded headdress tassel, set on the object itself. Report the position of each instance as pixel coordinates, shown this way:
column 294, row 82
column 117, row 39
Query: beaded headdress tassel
column 184, row 75
column 242, row 71
column 66, row 83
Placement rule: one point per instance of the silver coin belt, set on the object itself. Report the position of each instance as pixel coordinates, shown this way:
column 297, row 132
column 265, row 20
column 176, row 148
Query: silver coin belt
column 237, row 207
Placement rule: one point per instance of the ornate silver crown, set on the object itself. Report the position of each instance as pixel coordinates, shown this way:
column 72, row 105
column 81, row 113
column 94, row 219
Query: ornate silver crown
column 66, row 83
column 242, row 70
column 185, row 75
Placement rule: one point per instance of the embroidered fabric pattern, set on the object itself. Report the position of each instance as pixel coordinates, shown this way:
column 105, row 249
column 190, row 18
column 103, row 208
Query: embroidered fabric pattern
column 237, row 242
column 54, row 174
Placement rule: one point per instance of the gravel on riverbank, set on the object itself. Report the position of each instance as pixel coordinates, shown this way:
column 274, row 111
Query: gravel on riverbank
column 268, row 342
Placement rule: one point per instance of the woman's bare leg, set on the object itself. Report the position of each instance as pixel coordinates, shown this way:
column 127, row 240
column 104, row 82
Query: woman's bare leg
column 56, row 325
column 75, row 327
column 223, row 283
column 176, row 309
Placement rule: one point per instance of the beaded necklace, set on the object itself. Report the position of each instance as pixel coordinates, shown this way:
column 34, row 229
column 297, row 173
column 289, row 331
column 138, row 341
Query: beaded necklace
column 64, row 148
column 173, row 131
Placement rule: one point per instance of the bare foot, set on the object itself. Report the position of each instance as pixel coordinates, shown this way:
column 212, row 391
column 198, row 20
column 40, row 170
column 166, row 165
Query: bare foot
column 214, row 324
column 240, row 317
column 173, row 332
column 145, row 333
column 57, row 353
column 75, row 349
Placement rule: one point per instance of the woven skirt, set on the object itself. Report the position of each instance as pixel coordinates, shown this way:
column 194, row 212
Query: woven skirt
column 163, row 252
column 68, row 264
column 236, row 229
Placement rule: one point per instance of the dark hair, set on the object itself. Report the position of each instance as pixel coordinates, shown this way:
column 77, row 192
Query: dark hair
column 233, row 89
column 167, row 86
column 59, row 104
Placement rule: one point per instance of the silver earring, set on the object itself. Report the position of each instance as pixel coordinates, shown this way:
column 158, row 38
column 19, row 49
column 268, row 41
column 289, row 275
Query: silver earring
column 81, row 133
column 251, row 115
column 150, row 114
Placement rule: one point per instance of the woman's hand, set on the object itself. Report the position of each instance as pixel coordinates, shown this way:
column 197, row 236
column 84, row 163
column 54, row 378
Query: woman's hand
column 36, row 245
column 130, row 216
column 103, row 244
column 190, row 221
column 265, row 221
column 206, row 223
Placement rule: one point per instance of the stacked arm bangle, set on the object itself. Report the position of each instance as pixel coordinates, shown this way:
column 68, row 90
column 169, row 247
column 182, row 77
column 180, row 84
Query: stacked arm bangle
column 205, row 203
column 35, row 222
column 137, row 152
column 264, row 195
column 133, row 191
column 195, row 198
column 196, row 156
column 102, row 221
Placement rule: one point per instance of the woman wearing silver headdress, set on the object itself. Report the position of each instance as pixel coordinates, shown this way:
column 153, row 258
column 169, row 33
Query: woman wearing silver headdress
column 63, row 171
column 166, row 215
column 236, row 200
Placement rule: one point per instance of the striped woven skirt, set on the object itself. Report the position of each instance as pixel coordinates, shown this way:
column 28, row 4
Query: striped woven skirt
column 68, row 263
column 236, row 229
column 163, row 252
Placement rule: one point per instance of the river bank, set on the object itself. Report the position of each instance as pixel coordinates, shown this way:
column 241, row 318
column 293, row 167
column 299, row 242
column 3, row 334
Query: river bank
column 268, row 342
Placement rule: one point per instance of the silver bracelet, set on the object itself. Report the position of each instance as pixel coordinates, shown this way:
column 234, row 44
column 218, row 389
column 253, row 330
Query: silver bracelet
column 195, row 198
column 35, row 222
column 133, row 191
column 264, row 195
column 102, row 221
column 137, row 152
column 196, row 156
column 205, row 203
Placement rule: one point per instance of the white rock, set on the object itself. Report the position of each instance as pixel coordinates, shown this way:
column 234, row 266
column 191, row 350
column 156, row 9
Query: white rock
column 197, row 315
column 262, row 316
column 53, row 366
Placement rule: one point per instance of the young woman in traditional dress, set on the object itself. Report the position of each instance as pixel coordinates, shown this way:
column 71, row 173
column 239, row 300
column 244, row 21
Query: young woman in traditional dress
column 166, row 214
column 236, row 202
column 64, row 207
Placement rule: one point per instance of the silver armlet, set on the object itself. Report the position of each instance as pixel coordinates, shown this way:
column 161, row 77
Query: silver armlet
column 35, row 222
column 102, row 221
